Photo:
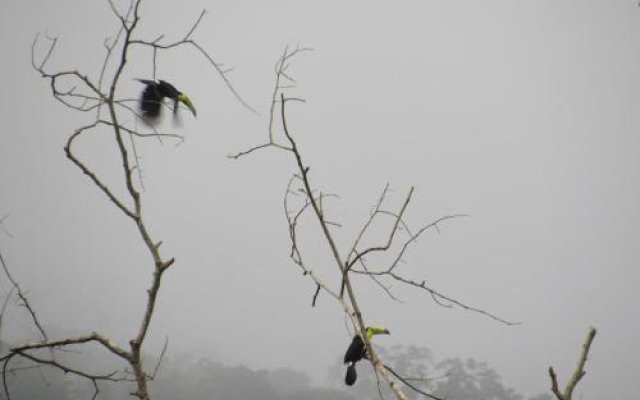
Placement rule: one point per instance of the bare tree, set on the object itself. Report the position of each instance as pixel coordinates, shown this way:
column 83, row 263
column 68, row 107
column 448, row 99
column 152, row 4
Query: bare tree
column 99, row 95
column 302, row 197
column 578, row 373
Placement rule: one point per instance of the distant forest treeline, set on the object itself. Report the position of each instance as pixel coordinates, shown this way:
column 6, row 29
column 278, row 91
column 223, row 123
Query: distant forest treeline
column 196, row 378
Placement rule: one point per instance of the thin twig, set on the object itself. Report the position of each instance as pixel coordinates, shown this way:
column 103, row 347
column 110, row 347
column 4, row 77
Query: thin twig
column 280, row 68
column 23, row 298
column 410, row 385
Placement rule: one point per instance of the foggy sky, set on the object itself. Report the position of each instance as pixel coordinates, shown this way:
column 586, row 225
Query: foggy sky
column 523, row 115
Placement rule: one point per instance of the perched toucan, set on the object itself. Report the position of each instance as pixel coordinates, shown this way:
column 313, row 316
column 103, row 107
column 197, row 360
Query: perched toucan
column 357, row 350
column 153, row 96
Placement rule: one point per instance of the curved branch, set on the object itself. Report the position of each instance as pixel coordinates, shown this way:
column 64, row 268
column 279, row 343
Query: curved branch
column 94, row 178
column 439, row 297
column 410, row 385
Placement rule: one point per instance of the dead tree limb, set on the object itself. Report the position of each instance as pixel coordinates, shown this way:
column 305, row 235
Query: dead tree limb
column 578, row 373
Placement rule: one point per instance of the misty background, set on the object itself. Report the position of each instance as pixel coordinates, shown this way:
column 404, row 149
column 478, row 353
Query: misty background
column 523, row 115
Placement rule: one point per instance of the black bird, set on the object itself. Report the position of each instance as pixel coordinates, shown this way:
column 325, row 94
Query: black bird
column 357, row 350
column 153, row 96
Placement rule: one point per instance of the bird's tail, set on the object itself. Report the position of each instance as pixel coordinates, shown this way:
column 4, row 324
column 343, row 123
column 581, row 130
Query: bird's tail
column 352, row 375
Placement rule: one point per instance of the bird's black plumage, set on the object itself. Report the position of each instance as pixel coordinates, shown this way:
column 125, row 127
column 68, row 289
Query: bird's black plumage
column 354, row 353
column 351, row 376
column 357, row 351
column 154, row 94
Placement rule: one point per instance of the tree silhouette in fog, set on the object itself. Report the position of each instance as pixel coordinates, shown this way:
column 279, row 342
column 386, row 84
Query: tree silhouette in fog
column 452, row 378
column 97, row 94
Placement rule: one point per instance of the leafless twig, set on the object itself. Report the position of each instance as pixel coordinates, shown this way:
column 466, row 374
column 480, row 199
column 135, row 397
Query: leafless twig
column 283, row 81
column 23, row 298
column 407, row 382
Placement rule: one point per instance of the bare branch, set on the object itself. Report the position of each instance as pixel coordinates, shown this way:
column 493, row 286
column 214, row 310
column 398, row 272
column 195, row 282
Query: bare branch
column 66, row 369
column 109, row 52
column 59, row 94
column 315, row 295
column 223, row 75
column 162, row 353
column 195, row 25
column 372, row 216
column 23, row 351
column 578, row 373
column 92, row 337
column 554, row 384
column 304, row 171
column 103, row 187
column 410, row 385
column 376, row 280
column 414, row 237
column 136, row 133
column 439, row 298
column 295, row 253
column 384, row 247
column 259, row 147
column 22, row 297
column 280, row 68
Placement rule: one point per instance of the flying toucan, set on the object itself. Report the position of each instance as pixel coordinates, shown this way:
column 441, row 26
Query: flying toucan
column 357, row 350
column 153, row 96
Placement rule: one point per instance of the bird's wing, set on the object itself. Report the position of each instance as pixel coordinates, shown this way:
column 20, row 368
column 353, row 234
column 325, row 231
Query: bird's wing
column 355, row 350
column 146, row 81
column 151, row 101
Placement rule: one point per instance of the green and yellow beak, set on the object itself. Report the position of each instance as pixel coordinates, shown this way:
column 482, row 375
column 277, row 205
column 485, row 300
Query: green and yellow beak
column 184, row 99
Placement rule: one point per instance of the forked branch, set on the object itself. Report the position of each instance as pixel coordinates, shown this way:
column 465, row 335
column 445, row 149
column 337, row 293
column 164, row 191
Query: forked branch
column 578, row 373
